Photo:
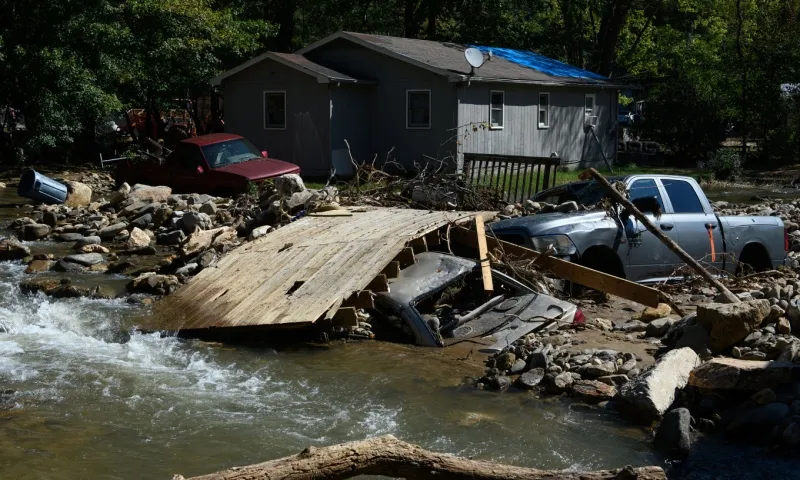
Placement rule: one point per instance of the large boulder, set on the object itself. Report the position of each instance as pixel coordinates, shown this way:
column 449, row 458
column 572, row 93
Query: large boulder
column 137, row 239
column 84, row 241
column 204, row 239
column 755, row 423
column 192, row 221
column 11, row 249
column 120, row 195
column 85, row 259
column 649, row 395
column 146, row 193
column 78, row 194
column 35, row 231
column 672, row 436
column 593, row 391
column 730, row 323
column 735, row 374
column 289, row 184
column 111, row 231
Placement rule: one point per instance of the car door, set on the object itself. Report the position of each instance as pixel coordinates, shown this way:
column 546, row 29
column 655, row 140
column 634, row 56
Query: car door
column 646, row 257
column 694, row 218
column 183, row 168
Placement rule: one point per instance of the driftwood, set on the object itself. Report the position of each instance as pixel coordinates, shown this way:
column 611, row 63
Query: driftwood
column 394, row 458
column 681, row 253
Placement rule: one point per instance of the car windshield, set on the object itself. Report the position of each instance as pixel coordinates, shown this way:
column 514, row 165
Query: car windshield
column 229, row 152
column 584, row 193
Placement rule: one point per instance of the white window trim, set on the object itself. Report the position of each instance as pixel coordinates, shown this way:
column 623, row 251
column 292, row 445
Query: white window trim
column 544, row 126
column 593, row 96
column 264, row 109
column 497, row 127
column 430, row 109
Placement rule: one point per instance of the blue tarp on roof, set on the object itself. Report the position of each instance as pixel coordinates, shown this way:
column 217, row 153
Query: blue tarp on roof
column 541, row 63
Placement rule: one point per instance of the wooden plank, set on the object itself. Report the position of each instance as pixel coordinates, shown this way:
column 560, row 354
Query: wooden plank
column 362, row 299
column 483, row 254
column 392, row 270
column 406, row 258
column 418, row 244
column 378, row 284
column 346, row 317
column 566, row 270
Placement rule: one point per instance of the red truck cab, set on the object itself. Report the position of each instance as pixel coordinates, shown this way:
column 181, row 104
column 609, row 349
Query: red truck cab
column 218, row 164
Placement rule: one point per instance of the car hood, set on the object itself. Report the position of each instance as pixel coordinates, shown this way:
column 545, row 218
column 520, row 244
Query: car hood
column 545, row 223
column 259, row 169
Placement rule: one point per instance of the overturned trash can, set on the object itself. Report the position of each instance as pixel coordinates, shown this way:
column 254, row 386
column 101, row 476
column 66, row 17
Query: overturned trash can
column 36, row 186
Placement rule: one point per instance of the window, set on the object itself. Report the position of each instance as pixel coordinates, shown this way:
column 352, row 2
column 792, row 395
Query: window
column 590, row 109
column 544, row 110
column 496, row 106
column 418, row 109
column 230, row 152
column 274, row 110
column 645, row 188
column 189, row 157
column 683, row 197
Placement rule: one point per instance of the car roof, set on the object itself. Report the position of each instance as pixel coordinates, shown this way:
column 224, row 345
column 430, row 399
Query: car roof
column 211, row 138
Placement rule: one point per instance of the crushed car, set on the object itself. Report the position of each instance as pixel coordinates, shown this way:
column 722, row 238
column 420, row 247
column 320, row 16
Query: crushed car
column 440, row 300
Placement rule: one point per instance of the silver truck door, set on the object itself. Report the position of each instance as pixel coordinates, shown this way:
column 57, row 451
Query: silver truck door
column 646, row 257
column 693, row 218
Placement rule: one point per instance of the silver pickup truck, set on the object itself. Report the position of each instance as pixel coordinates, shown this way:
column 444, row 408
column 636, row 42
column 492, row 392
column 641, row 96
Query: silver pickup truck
column 616, row 243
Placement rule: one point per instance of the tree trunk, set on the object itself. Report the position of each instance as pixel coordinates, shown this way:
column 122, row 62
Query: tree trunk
column 614, row 16
column 410, row 25
column 681, row 253
column 394, row 458
column 284, row 17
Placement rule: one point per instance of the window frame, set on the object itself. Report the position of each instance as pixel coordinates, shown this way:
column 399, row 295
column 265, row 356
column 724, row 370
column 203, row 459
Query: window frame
column 658, row 186
column 541, row 125
column 586, row 115
column 430, row 108
column 703, row 208
column 264, row 108
column 502, row 110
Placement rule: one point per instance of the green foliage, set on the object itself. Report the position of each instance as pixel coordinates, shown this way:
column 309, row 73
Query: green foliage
column 725, row 164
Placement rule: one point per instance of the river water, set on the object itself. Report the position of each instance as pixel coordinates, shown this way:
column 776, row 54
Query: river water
column 83, row 399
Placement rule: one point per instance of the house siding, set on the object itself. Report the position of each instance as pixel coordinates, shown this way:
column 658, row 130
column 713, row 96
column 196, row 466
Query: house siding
column 387, row 103
column 521, row 134
column 350, row 120
column 306, row 139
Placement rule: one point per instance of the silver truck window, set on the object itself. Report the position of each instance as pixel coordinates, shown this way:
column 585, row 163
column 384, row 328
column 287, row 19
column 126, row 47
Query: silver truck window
column 683, row 197
column 644, row 188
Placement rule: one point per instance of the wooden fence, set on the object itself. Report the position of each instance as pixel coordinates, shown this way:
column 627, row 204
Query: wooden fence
column 515, row 178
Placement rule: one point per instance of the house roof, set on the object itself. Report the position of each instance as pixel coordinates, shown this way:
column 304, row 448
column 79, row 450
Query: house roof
column 506, row 65
column 291, row 60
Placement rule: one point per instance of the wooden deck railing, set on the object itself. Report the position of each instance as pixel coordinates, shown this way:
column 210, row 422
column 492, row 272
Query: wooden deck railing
column 515, row 178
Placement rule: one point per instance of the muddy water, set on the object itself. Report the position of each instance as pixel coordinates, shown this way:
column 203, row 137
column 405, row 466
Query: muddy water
column 86, row 399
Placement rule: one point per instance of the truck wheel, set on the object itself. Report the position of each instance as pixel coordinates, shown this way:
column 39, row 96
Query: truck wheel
column 602, row 259
column 754, row 258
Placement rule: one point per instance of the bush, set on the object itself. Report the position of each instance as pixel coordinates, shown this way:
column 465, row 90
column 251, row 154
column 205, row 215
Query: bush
column 725, row 164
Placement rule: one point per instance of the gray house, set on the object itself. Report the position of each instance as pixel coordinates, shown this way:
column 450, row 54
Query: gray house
column 414, row 100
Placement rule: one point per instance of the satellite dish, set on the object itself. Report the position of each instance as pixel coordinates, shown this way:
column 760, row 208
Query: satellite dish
column 474, row 58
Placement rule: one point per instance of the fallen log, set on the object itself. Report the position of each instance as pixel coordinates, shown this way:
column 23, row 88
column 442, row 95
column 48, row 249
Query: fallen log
column 395, row 458
column 681, row 253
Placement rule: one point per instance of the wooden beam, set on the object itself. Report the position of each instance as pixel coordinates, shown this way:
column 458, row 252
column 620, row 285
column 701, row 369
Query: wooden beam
column 483, row 254
column 392, row 270
column 406, row 258
column 418, row 244
column 681, row 253
column 566, row 270
column 362, row 299
column 346, row 317
column 378, row 284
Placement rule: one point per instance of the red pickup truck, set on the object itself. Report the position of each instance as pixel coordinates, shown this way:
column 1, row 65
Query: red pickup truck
column 218, row 164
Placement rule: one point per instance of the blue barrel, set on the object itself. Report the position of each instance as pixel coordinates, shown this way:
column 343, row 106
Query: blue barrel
column 36, row 186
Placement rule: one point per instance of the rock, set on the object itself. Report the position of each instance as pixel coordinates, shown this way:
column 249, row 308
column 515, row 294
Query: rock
column 193, row 221
column 730, row 323
column 289, row 184
column 143, row 221
column 172, row 238
column 735, row 374
column 50, row 218
column 153, row 283
column 628, row 366
column 298, row 201
column 505, row 361
column 11, row 249
column 594, row 371
column 784, row 326
column 754, row 355
column 604, row 324
column 593, row 391
column 530, row 379
column 695, row 337
column 209, row 208
column 562, row 382
column 518, row 367
column 757, row 421
column 112, row 230
column 161, row 215
column 69, row 237
column 659, row 327
column 83, row 241
column 137, row 239
column 35, row 231
column 632, row 326
column 204, row 239
column 791, row 435
column 614, row 380
column 187, row 269
column 649, row 395
column 500, row 382
column 538, row 359
column 38, row 266
column 78, row 194
column 85, row 259
column 789, row 353
column 68, row 267
column 673, row 435
column 764, row 397
column 93, row 248
column 259, row 232
column 146, row 193
column 649, row 314
column 567, row 207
